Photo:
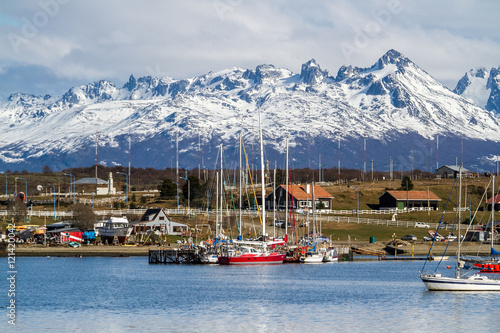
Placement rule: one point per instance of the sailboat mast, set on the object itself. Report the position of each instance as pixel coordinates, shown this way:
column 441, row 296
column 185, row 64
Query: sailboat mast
column 314, row 213
column 241, row 214
column 217, row 205
column 287, row 189
column 459, row 221
column 263, row 181
column 492, row 209
column 221, row 187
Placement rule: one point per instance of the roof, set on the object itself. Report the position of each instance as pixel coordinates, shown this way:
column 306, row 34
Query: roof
column 299, row 192
column 455, row 168
column 159, row 223
column 496, row 197
column 91, row 181
column 69, row 229
column 413, row 195
column 149, row 212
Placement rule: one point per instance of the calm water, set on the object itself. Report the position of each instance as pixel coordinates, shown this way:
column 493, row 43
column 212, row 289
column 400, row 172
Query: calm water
column 127, row 294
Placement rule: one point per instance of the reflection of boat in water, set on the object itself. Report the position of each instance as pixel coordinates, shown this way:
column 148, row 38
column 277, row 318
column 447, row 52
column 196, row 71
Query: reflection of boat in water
column 115, row 227
column 246, row 255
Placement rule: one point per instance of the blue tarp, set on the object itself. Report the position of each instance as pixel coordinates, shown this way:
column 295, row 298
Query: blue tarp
column 494, row 252
column 89, row 235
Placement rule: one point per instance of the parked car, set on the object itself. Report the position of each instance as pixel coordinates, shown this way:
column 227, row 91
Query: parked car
column 421, row 225
column 409, row 238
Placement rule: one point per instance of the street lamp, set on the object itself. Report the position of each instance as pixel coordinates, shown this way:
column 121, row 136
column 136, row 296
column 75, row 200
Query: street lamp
column 189, row 188
column 126, row 186
column 71, row 185
column 54, row 193
column 357, row 202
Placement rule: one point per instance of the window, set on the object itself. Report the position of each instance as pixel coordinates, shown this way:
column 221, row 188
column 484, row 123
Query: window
column 162, row 218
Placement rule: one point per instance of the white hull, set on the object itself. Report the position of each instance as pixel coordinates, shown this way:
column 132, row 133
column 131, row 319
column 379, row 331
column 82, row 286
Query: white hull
column 472, row 283
column 210, row 259
column 312, row 259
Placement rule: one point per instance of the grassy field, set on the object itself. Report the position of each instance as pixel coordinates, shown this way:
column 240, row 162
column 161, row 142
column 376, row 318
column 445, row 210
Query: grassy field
column 345, row 198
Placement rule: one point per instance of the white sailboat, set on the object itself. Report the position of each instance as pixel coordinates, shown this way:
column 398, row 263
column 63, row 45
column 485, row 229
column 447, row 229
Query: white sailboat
column 475, row 282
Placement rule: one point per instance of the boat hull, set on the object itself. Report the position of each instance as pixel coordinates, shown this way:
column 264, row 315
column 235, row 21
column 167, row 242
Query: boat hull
column 107, row 234
column 272, row 258
column 474, row 283
column 312, row 259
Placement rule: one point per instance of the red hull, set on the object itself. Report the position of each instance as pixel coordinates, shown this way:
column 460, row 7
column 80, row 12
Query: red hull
column 251, row 259
column 488, row 268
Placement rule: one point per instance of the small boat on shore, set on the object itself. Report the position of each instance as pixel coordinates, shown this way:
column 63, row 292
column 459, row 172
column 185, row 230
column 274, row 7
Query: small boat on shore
column 115, row 227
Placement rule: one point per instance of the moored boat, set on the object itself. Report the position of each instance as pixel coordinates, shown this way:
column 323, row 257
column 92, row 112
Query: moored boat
column 460, row 282
column 247, row 255
column 115, row 227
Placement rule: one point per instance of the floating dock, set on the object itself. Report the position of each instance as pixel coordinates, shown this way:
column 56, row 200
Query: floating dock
column 174, row 256
column 368, row 251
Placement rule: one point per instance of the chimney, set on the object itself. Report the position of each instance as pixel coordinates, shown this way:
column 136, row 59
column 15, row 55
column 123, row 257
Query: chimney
column 308, row 188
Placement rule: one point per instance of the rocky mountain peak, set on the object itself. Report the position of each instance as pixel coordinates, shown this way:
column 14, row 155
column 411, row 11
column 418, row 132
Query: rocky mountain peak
column 311, row 72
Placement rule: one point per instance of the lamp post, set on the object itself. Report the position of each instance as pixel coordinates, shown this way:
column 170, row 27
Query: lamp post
column 54, row 194
column 72, row 180
column 189, row 194
column 357, row 202
column 126, row 187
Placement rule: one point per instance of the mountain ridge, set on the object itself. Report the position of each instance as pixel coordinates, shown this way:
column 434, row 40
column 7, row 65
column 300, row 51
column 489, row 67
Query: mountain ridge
column 392, row 101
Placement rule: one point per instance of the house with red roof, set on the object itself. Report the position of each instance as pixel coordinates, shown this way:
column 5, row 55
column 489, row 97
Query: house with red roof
column 496, row 200
column 300, row 197
column 412, row 199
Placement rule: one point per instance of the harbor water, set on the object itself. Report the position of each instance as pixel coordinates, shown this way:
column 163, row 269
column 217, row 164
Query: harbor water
column 102, row 294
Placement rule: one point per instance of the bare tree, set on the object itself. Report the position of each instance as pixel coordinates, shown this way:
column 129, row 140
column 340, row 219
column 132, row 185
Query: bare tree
column 83, row 216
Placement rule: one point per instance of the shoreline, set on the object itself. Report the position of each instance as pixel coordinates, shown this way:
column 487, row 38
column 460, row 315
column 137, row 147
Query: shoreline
column 417, row 249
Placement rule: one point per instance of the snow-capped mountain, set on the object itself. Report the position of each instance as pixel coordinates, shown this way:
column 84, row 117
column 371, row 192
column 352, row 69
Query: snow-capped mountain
column 482, row 87
column 394, row 105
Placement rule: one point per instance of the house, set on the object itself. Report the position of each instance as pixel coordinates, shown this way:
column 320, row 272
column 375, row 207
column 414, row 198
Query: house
column 403, row 199
column 109, row 189
column 155, row 219
column 300, row 197
column 496, row 199
column 452, row 171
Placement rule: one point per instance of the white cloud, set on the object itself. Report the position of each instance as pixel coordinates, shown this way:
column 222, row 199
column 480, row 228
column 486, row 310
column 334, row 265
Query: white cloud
column 90, row 40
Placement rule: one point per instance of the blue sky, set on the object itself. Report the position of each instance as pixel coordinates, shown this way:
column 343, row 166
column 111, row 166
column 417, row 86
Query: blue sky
column 47, row 46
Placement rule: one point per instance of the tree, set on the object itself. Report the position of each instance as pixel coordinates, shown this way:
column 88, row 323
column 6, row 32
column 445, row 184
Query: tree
column 195, row 189
column 83, row 216
column 406, row 184
column 17, row 210
column 168, row 189
column 46, row 169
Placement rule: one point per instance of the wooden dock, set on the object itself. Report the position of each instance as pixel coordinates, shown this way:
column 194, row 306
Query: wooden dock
column 174, row 256
column 368, row 251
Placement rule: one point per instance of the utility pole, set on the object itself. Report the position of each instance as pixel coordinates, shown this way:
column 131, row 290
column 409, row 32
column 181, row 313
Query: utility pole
column 372, row 168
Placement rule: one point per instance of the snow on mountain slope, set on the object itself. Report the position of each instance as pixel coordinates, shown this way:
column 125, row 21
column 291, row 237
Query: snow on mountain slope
column 387, row 102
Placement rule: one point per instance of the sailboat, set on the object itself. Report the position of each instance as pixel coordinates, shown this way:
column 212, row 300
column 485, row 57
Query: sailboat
column 244, row 252
column 460, row 282
column 313, row 255
column 492, row 264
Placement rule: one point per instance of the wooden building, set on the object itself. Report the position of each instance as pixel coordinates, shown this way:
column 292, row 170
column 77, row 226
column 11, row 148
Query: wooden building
column 156, row 220
column 452, row 171
column 300, row 197
column 411, row 199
